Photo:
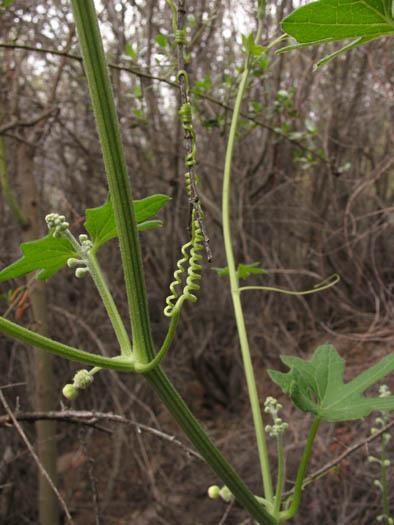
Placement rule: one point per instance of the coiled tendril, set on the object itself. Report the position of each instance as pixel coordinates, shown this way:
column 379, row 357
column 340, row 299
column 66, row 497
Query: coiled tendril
column 192, row 276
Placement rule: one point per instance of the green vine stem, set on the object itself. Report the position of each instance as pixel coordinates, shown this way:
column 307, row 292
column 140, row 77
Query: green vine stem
column 89, row 259
column 204, row 445
column 327, row 283
column 121, row 363
column 118, row 180
column 295, row 502
column 108, row 128
column 234, row 285
column 279, row 482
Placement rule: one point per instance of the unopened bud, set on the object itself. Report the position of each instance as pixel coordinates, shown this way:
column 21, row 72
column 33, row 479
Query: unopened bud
column 70, row 392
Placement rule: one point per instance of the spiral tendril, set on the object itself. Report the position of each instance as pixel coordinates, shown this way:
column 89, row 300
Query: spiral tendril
column 180, row 37
column 192, row 273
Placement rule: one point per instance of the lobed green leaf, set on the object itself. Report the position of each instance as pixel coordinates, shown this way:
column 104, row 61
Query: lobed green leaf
column 317, row 386
column 50, row 253
column 326, row 21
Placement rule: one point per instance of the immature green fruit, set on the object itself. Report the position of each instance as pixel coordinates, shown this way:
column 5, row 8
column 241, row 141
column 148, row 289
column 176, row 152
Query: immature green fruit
column 70, row 392
column 214, row 492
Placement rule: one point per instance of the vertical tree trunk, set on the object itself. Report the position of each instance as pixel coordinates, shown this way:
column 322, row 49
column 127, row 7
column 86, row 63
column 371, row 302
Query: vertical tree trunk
column 45, row 392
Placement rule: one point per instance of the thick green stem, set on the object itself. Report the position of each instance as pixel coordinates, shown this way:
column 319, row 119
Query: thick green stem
column 101, row 93
column 204, row 445
column 235, row 292
column 115, row 165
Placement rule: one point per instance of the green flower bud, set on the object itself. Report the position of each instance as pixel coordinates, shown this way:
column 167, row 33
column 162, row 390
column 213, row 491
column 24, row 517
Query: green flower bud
column 226, row 494
column 377, row 483
column 72, row 261
column 82, row 379
column 70, row 392
column 384, row 391
column 214, row 492
column 81, row 272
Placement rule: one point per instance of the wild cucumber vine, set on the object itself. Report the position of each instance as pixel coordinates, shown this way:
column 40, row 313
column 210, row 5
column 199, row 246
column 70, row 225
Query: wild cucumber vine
column 314, row 386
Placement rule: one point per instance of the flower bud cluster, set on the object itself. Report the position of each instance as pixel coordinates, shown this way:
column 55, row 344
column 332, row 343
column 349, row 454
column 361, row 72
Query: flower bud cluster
column 86, row 243
column 82, row 380
column 272, row 407
column 58, row 222
column 225, row 493
column 84, row 248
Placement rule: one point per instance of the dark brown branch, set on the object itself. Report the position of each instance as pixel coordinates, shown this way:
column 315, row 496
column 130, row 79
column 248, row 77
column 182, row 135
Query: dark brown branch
column 138, row 72
column 14, row 123
column 90, row 418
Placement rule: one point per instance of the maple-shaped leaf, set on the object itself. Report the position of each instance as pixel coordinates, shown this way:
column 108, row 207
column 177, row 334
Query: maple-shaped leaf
column 100, row 222
column 332, row 20
column 48, row 254
column 243, row 270
column 317, row 386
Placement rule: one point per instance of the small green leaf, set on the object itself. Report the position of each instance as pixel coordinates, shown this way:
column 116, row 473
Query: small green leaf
column 100, row 222
column 48, row 254
column 332, row 20
column 311, row 126
column 130, row 51
column 251, row 47
column 138, row 113
column 317, row 386
column 221, row 271
column 161, row 40
column 243, row 270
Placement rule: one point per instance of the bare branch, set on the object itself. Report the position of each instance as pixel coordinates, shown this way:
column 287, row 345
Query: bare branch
column 11, row 417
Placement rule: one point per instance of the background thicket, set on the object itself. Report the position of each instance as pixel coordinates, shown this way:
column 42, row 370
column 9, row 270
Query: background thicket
column 313, row 194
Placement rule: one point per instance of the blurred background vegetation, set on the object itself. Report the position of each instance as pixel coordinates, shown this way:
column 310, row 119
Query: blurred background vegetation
column 313, row 194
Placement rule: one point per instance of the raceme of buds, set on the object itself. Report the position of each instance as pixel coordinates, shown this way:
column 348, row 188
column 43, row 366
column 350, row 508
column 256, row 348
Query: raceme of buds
column 82, row 379
column 54, row 220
